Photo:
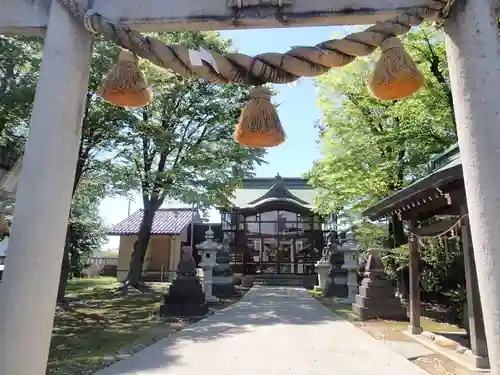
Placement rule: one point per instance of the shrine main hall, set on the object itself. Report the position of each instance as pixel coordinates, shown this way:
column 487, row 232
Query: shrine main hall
column 272, row 229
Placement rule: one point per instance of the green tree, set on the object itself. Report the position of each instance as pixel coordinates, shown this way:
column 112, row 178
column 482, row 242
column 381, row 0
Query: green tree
column 19, row 63
column 183, row 147
column 100, row 145
column 87, row 232
column 373, row 148
column 103, row 125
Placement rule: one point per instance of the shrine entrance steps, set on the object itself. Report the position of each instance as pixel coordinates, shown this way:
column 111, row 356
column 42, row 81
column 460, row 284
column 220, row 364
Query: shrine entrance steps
column 271, row 330
column 277, row 279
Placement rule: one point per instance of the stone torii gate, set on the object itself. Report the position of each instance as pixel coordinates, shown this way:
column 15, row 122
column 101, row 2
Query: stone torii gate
column 28, row 292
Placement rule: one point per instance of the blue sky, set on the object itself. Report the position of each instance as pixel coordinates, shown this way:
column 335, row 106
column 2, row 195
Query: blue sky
column 297, row 111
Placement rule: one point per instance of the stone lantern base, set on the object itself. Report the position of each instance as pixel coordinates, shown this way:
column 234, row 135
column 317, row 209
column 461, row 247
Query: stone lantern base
column 185, row 298
column 378, row 301
column 322, row 270
column 222, row 281
column 185, row 295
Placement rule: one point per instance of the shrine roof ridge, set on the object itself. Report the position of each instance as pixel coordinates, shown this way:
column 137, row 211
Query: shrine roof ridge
column 268, row 182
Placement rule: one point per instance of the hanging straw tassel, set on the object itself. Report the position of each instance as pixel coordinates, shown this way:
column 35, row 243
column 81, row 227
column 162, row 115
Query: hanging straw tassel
column 4, row 225
column 259, row 125
column 396, row 75
column 125, row 85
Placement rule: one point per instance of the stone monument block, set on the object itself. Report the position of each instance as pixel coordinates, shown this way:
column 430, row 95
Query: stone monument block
column 376, row 297
column 185, row 296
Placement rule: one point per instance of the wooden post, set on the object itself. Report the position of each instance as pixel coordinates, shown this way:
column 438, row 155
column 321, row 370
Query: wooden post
column 28, row 290
column 474, row 311
column 473, row 49
column 413, row 248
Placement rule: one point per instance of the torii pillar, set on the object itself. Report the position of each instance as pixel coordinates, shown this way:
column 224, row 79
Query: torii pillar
column 29, row 286
column 473, row 49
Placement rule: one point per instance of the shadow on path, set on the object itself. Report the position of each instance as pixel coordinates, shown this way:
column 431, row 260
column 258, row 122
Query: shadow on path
column 270, row 330
column 261, row 306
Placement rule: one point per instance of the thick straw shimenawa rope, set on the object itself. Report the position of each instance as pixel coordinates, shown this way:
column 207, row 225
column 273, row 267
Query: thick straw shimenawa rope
column 238, row 68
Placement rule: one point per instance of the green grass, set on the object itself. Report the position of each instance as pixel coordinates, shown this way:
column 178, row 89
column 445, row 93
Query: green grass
column 345, row 311
column 100, row 324
column 77, row 286
column 101, row 321
column 427, row 324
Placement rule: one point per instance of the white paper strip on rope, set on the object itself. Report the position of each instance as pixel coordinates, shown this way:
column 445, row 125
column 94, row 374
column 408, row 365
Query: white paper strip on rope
column 197, row 57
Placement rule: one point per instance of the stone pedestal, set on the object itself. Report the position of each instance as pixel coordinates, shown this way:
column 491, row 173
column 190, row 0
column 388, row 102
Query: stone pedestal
column 352, row 287
column 246, row 281
column 222, row 284
column 333, row 286
column 376, row 297
column 185, row 295
column 208, row 285
column 322, row 268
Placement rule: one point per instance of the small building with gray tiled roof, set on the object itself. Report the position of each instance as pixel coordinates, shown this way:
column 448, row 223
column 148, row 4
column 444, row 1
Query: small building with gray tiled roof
column 167, row 222
column 171, row 227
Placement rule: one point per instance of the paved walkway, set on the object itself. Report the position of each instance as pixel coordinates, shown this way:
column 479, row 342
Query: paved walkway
column 271, row 331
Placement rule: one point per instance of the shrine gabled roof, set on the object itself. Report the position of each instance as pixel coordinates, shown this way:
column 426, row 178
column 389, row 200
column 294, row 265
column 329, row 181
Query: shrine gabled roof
column 257, row 191
column 443, row 169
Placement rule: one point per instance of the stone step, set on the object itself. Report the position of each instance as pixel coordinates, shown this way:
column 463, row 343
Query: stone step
column 280, row 280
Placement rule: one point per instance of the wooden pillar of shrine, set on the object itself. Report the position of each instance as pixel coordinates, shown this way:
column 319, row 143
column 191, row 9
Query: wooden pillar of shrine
column 414, row 302
column 473, row 49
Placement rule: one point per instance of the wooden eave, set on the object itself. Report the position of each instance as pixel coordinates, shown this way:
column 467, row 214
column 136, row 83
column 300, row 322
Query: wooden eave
column 441, row 192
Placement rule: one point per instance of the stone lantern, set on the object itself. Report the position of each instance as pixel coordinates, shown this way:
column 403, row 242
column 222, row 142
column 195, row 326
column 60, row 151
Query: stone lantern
column 208, row 251
column 351, row 249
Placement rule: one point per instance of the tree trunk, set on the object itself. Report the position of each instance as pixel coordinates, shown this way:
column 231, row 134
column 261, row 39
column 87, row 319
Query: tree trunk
column 74, row 269
column 398, row 231
column 65, row 270
column 140, row 246
column 65, row 265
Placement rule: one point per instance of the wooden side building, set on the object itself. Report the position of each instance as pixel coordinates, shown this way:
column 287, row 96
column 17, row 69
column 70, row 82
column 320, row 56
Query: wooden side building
column 440, row 192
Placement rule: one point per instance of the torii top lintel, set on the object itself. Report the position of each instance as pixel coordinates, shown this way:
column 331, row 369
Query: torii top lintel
column 29, row 16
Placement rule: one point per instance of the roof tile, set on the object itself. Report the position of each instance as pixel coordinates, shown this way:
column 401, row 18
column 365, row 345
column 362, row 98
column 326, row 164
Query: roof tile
column 167, row 221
